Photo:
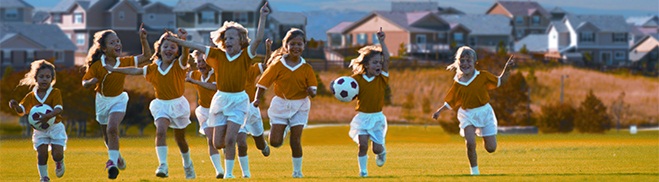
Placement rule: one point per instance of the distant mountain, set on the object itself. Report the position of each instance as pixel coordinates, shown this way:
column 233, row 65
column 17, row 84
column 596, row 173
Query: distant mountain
column 319, row 21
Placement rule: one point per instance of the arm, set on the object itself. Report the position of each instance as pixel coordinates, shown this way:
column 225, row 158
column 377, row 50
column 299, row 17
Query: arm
column 89, row 83
column 505, row 73
column 188, row 44
column 146, row 49
column 128, row 71
column 45, row 117
column 14, row 105
column 436, row 114
column 206, row 85
column 258, row 96
column 385, row 51
column 268, row 51
column 185, row 55
column 260, row 30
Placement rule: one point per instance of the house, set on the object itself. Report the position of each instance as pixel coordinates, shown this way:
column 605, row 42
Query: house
column 80, row 19
column 158, row 17
column 479, row 31
column 534, row 43
column 601, row 40
column 15, row 11
column 335, row 36
column 280, row 22
column 642, row 26
column 528, row 17
column 22, row 43
column 644, row 55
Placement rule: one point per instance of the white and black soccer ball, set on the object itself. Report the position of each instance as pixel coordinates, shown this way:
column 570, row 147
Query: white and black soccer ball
column 33, row 118
column 345, row 88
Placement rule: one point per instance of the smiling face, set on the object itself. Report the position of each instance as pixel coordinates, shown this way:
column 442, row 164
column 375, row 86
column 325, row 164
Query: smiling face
column 168, row 51
column 112, row 46
column 232, row 41
column 44, row 78
column 295, row 46
column 374, row 66
column 467, row 64
column 201, row 64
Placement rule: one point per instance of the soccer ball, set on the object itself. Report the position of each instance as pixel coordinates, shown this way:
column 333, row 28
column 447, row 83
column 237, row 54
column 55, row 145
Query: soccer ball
column 345, row 88
column 33, row 118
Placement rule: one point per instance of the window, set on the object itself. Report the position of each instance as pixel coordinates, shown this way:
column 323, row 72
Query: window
column 620, row 55
column 80, row 39
column 535, row 20
column 207, row 17
column 520, row 33
column 59, row 56
column 57, row 18
column 619, row 37
column 122, row 15
column 472, row 41
column 441, row 36
column 361, row 39
column 519, row 20
column 29, row 55
column 77, row 18
column 240, row 17
column 587, row 37
column 421, row 39
column 458, row 37
column 375, row 38
column 6, row 56
column 11, row 13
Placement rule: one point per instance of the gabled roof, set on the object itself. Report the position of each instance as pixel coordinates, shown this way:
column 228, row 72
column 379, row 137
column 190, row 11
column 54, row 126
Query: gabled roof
column 340, row 27
column 403, row 20
column 644, row 39
column 289, row 18
column 644, row 20
column 47, row 35
column 66, row 5
column 156, row 3
column 15, row 4
column 227, row 5
column 40, row 16
column 482, row 24
column 559, row 25
column 521, row 8
column 132, row 3
column 605, row 23
column 533, row 42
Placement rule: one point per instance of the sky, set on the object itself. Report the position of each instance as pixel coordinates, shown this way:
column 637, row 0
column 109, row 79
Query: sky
column 626, row 8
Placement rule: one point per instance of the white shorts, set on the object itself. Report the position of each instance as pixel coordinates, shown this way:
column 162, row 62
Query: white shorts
column 106, row 105
column 372, row 124
column 289, row 112
column 482, row 118
column 253, row 122
column 202, row 117
column 227, row 106
column 54, row 135
column 176, row 110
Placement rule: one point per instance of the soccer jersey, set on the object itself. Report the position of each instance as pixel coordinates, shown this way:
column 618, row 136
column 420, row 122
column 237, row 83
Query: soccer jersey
column 169, row 83
column 371, row 92
column 230, row 71
column 473, row 93
column 53, row 98
column 205, row 95
column 291, row 82
column 109, row 84
column 252, row 75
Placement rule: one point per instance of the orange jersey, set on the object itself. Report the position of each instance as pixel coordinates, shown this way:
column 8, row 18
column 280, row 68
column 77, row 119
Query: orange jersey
column 473, row 93
column 230, row 72
column 252, row 77
column 169, row 83
column 205, row 95
column 371, row 92
column 53, row 98
column 109, row 85
column 290, row 82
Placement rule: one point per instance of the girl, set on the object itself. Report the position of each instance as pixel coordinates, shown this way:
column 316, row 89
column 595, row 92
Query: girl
column 371, row 72
column 230, row 61
column 253, row 122
column 294, row 81
column 111, row 100
column 469, row 95
column 167, row 74
column 204, row 81
column 42, row 78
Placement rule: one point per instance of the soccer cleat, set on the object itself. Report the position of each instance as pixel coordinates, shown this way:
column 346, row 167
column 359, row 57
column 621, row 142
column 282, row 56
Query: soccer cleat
column 266, row 151
column 45, row 179
column 162, row 171
column 189, row 172
column 363, row 174
column 228, row 176
column 121, row 163
column 297, row 174
column 113, row 171
column 246, row 176
column 219, row 176
column 380, row 159
column 59, row 169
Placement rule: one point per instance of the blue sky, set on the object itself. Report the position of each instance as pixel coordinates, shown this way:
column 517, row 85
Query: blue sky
column 621, row 7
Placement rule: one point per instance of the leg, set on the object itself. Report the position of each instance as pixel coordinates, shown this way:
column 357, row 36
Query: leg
column 242, row 154
column 112, row 138
column 161, row 147
column 230, row 148
column 260, row 143
column 362, row 158
column 42, row 161
column 363, row 145
column 209, row 138
column 216, row 159
column 58, row 157
column 296, row 149
column 104, row 131
column 277, row 135
column 470, row 141
column 490, row 143
column 218, row 136
column 161, row 131
column 179, row 136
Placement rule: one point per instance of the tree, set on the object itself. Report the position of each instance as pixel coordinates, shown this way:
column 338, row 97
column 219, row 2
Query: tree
column 502, row 49
column 619, row 110
column 78, row 102
column 511, row 102
column 137, row 111
column 557, row 118
column 322, row 90
column 402, row 50
column 592, row 116
column 524, row 50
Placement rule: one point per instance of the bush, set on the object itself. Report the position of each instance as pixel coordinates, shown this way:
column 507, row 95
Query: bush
column 451, row 126
column 592, row 116
column 557, row 118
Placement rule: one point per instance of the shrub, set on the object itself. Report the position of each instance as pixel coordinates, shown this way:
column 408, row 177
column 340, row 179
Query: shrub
column 592, row 116
column 557, row 118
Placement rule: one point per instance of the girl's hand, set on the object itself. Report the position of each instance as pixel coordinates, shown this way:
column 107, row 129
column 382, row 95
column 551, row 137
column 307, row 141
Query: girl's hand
column 142, row 32
column 381, row 35
column 182, row 34
column 311, row 92
column 13, row 104
column 265, row 10
column 268, row 42
column 256, row 102
column 436, row 115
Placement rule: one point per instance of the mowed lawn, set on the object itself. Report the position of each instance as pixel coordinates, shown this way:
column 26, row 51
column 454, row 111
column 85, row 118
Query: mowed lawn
column 415, row 153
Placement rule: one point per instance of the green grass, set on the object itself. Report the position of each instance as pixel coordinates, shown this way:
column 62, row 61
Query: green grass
column 415, row 153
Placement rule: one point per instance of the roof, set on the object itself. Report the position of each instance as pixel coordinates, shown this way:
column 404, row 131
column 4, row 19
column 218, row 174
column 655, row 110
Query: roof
column 482, row 24
column 14, row 4
column 156, row 3
column 406, row 6
column 559, row 25
column 449, row 10
column 227, row 5
column 406, row 19
column 534, row 43
column 289, row 18
column 644, row 20
column 65, row 5
column 132, row 3
column 522, row 8
column 47, row 35
column 605, row 23
column 339, row 28
column 40, row 16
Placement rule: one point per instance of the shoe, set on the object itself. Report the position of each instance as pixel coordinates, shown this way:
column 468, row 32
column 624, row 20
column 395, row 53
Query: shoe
column 162, row 171
column 246, row 176
column 297, row 174
column 219, row 176
column 59, row 169
column 113, row 171
column 380, row 159
column 121, row 163
column 45, row 179
column 266, row 151
column 363, row 174
column 189, row 172
column 229, row 176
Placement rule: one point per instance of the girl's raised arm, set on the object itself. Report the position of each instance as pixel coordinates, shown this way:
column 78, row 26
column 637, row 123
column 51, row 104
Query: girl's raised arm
column 188, row 44
column 146, row 49
column 125, row 70
column 185, row 55
column 260, row 31
column 385, row 51
column 505, row 73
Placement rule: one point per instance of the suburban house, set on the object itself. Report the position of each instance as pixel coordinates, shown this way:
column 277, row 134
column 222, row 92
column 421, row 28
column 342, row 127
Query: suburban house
column 642, row 26
column 158, row 17
column 280, row 22
column 16, row 11
column 22, row 42
column 644, row 55
column 528, row 17
column 80, row 19
column 479, row 31
column 598, row 40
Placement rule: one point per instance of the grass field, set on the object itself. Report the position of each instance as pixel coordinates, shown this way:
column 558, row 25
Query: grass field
column 415, row 153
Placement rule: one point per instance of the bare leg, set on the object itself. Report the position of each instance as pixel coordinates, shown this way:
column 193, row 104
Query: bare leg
column 259, row 141
column 277, row 135
column 112, row 135
column 161, row 131
column 218, row 136
column 179, row 136
column 363, row 145
column 490, row 143
column 57, row 152
column 242, row 144
column 42, row 154
column 296, row 140
column 470, row 140
column 230, row 140
column 377, row 148
column 209, row 137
